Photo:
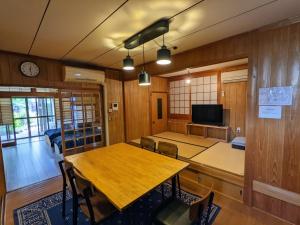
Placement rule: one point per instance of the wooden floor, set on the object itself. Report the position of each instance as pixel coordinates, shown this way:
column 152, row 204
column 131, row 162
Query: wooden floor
column 232, row 213
column 29, row 162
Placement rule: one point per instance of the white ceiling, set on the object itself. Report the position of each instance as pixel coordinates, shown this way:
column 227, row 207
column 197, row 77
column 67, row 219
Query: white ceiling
column 92, row 31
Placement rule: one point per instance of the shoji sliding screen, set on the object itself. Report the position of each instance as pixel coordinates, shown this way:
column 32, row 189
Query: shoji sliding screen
column 81, row 120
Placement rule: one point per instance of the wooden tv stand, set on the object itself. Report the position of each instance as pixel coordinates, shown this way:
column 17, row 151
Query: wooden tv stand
column 210, row 131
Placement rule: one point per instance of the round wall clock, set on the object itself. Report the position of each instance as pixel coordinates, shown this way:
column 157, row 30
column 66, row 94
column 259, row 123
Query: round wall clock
column 29, row 69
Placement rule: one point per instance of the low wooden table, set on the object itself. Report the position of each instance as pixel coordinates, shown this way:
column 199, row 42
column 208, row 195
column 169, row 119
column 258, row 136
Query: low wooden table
column 124, row 173
column 224, row 129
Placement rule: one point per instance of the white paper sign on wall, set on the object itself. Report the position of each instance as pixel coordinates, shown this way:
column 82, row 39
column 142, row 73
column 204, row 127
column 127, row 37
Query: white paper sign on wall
column 269, row 112
column 276, row 96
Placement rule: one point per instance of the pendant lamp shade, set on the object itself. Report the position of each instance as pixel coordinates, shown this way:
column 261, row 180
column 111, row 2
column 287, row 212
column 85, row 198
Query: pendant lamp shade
column 163, row 56
column 144, row 78
column 128, row 63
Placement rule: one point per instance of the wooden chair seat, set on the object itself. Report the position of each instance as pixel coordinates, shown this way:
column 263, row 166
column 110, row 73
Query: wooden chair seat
column 173, row 213
column 102, row 208
column 176, row 212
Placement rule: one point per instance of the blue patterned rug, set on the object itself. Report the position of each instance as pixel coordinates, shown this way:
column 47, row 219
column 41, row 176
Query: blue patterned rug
column 47, row 211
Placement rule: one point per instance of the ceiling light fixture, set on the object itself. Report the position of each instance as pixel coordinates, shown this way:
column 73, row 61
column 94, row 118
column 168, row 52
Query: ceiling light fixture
column 149, row 33
column 128, row 63
column 163, row 54
column 77, row 74
column 144, row 77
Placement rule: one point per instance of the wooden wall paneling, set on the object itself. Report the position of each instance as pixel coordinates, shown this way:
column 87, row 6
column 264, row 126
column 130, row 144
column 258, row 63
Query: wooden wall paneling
column 178, row 126
column 51, row 73
column 271, row 145
column 4, row 69
column 137, row 110
column 234, row 103
column 114, row 88
column 291, row 169
column 250, row 116
column 159, row 84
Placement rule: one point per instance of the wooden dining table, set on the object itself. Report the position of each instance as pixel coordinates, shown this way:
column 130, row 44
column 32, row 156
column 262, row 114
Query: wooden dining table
column 124, row 173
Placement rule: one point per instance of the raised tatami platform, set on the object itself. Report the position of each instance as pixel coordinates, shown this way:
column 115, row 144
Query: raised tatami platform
column 205, row 152
column 189, row 139
column 221, row 156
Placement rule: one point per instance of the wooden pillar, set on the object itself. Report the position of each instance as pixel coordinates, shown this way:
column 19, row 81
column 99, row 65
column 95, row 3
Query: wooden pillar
column 2, row 174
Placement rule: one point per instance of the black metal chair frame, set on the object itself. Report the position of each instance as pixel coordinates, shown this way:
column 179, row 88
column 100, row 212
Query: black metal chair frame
column 60, row 163
column 200, row 211
column 173, row 182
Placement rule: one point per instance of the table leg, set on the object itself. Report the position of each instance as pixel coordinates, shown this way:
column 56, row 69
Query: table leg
column 75, row 209
column 174, row 187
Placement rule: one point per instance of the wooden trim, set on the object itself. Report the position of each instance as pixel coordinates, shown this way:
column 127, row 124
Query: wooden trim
column 180, row 116
column 27, row 94
column 2, row 209
column 124, row 111
column 276, row 192
column 217, row 173
column 193, row 75
column 209, row 72
column 2, row 174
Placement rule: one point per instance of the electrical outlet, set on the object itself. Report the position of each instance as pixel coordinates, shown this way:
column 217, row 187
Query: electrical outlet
column 238, row 130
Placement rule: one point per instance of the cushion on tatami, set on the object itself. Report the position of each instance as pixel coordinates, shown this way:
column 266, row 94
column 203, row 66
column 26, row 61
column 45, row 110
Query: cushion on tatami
column 189, row 139
column 222, row 156
column 184, row 150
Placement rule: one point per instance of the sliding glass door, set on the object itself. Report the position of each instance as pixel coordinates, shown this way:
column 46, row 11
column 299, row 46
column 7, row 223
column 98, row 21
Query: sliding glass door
column 33, row 116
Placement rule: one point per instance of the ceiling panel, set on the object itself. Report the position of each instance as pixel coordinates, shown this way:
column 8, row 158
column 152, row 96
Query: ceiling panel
column 132, row 17
column 229, row 24
column 67, row 22
column 19, row 21
column 192, row 20
column 262, row 16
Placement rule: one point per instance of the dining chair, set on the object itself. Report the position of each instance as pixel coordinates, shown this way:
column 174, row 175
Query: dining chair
column 95, row 205
column 148, row 143
column 171, row 150
column 64, row 166
column 176, row 212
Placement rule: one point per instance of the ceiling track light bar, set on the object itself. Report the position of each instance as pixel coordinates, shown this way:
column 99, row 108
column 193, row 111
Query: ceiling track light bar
column 149, row 33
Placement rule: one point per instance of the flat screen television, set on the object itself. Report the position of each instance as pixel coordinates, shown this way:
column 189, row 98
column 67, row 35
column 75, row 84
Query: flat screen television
column 208, row 114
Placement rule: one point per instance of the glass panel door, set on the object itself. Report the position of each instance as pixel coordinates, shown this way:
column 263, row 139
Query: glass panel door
column 33, row 116
column 20, row 117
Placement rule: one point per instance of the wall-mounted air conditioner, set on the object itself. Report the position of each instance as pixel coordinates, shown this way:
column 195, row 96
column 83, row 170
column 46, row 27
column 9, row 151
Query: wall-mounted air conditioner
column 234, row 76
column 74, row 74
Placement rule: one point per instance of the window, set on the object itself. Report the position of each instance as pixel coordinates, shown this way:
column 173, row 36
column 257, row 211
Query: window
column 159, row 109
column 33, row 116
column 204, row 90
column 179, row 97
column 201, row 90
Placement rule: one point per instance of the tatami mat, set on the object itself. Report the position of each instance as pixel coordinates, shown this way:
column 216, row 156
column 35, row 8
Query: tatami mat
column 189, row 139
column 184, row 150
column 223, row 157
